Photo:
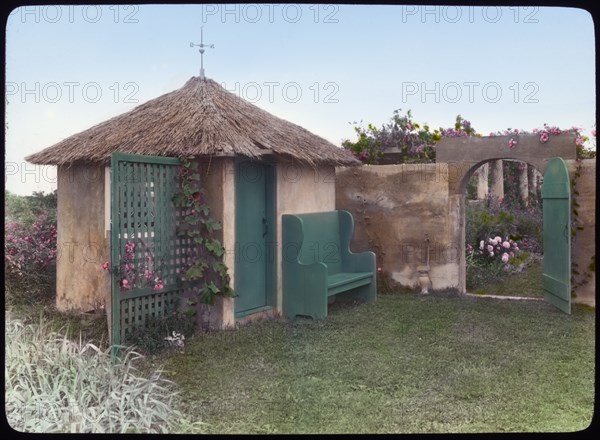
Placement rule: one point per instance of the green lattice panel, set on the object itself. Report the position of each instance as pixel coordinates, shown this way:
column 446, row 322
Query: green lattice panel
column 142, row 211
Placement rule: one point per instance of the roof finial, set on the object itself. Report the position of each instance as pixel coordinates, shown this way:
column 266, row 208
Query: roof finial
column 201, row 50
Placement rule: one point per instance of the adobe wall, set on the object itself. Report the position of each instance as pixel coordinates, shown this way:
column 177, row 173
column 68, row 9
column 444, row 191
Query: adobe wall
column 395, row 207
column 584, row 242
column 81, row 283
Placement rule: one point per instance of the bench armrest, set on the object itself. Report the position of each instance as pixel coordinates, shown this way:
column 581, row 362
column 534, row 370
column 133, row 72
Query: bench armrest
column 361, row 262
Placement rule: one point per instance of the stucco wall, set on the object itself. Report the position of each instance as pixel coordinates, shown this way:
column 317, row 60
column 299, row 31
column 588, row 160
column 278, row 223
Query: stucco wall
column 81, row 284
column 300, row 189
column 218, row 182
column 584, row 242
column 395, row 208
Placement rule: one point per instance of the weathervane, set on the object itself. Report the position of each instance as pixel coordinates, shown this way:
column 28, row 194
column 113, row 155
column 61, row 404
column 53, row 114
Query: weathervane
column 201, row 50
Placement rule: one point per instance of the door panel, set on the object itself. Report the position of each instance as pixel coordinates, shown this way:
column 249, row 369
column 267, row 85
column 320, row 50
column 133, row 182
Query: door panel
column 556, row 195
column 251, row 232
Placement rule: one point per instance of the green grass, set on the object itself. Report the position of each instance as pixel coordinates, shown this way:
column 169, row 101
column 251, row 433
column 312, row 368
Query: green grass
column 527, row 283
column 92, row 327
column 406, row 363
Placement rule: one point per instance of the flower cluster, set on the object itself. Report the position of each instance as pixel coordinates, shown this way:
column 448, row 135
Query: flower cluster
column 177, row 340
column 29, row 248
column 129, row 276
column 495, row 248
column 544, row 136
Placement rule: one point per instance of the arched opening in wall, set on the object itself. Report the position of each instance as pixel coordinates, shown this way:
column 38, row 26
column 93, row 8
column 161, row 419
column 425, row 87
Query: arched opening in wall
column 504, row 229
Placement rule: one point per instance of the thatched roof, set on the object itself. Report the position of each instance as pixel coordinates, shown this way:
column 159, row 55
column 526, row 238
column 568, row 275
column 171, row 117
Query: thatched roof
column 201, row 118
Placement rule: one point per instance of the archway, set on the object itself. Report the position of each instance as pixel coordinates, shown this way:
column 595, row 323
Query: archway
column 465, row 155
column 503, row 199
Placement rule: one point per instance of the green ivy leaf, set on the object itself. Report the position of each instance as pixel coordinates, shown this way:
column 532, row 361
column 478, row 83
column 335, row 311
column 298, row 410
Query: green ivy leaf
column 214, row 246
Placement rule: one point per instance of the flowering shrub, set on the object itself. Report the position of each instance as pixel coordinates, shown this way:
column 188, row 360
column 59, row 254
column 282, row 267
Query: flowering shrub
column 550, row 130
column 413, row 141
column 144, row 275
column 494, row 249
column 30, row 254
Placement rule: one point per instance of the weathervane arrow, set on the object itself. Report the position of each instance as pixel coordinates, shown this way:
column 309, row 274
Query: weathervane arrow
column 201, row 50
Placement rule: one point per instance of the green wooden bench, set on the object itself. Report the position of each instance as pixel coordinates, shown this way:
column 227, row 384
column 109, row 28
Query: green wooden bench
column 318, row 263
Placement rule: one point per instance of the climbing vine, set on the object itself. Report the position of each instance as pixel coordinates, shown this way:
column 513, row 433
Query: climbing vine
column 576, row 226
column 204, row 263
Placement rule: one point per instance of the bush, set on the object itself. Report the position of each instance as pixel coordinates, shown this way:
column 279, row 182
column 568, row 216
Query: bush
column 30, row 253
column 492, row 217
column 53, row 384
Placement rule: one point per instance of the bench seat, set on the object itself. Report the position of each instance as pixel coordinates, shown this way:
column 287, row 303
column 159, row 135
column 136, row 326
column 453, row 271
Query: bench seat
column 340, row 282
column 318, row 263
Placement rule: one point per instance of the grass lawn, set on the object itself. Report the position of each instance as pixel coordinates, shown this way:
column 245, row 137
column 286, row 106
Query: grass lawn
column 406, row 363
column 527, row 283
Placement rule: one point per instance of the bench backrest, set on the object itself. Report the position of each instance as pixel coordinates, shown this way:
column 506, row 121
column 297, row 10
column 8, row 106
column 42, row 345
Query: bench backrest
column 321, row 240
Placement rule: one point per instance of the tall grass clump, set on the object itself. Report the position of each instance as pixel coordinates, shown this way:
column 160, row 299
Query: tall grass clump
column 54, row 384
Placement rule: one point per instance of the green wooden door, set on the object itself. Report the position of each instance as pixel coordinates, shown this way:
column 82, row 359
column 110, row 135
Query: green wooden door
column 251, row 229
column 556, row 194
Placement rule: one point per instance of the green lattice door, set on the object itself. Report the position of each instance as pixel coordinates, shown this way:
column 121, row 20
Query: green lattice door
column 556, row 195
column 146, row 254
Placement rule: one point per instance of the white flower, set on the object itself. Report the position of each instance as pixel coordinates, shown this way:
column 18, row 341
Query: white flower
column 481, row 244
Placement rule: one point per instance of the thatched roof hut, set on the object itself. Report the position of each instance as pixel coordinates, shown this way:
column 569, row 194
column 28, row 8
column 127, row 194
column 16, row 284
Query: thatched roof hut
column 201, row 118
column 255, row 167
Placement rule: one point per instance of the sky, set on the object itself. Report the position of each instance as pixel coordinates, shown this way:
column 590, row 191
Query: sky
column 320, row 66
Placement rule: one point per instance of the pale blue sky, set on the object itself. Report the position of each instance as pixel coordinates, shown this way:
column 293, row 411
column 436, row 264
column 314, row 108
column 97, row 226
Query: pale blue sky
column 71, row 67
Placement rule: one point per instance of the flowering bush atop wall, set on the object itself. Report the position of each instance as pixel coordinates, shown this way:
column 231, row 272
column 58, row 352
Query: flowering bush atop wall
column 137, row 276
column 413, row 142
column 546, row 132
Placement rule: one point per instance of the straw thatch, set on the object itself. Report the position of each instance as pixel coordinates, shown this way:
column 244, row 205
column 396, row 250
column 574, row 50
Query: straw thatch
column 201, row 118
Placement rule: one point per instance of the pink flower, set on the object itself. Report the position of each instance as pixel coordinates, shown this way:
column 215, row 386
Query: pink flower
column 148, row 274
column 511, row 143
column 490, row 248
column 481, row 244
column 505, row 257
column 506, row 245
column 544, row 138
column 106, row 266
column 491, row 254
column 593, row 132
column 516, row 248
column 512, row 254
column 498, row 239
column 379, row 270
